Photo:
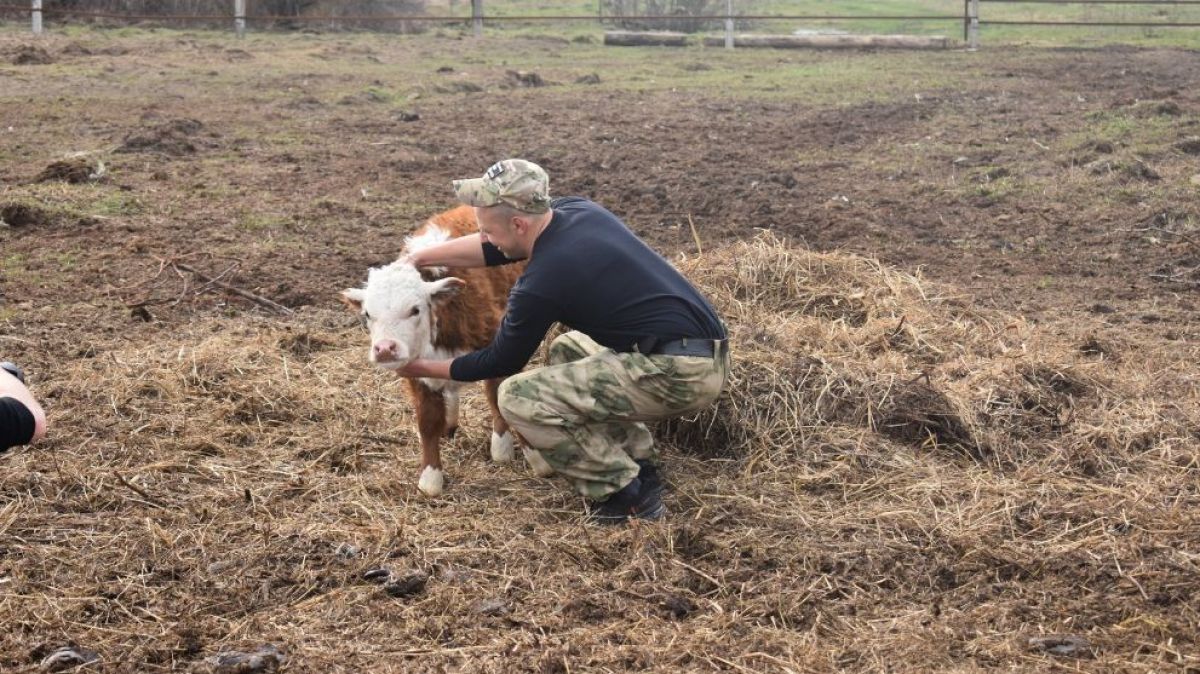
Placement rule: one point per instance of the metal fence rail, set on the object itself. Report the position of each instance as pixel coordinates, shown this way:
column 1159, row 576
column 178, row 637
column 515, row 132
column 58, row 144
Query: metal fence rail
column 971, row 18
column 974, row 20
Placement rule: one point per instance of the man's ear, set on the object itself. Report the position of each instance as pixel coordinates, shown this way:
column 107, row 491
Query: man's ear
column 440, row 291
column 519, row 224
column 353, row 298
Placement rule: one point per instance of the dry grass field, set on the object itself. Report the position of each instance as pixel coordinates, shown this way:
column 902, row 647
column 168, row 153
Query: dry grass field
column 963, row 428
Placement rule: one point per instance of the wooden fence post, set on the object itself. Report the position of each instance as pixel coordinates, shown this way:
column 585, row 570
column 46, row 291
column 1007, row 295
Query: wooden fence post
column 36, row 17
column 477, row 17
column 239, row 18
column 729, row 24
column 973, row 27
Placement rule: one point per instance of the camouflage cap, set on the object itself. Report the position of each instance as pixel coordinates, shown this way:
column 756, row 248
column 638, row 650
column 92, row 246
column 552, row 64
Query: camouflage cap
column 521, row 184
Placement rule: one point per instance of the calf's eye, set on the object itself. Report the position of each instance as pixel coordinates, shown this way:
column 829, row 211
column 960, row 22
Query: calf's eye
column 414, row 312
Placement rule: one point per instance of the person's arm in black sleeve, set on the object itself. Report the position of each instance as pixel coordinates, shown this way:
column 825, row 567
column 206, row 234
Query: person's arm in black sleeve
column 20, row 406
column 17, row 423
column 521, row 332
column 464, row 252
column 492, row 257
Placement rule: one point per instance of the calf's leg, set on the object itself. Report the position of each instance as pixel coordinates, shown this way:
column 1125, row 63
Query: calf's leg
column 430, row 407
column 451, row 412
column 503, row 436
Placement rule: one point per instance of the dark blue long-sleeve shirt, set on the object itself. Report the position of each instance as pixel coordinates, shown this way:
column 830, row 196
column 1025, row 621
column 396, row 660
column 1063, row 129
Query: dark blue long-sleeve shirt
column 590, row 273
column 17, row 423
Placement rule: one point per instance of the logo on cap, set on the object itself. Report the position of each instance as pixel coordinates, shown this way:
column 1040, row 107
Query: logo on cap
column 495, row 170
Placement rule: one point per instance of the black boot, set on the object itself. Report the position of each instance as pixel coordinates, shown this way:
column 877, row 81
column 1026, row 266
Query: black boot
column 632, row 500
column 651, row 477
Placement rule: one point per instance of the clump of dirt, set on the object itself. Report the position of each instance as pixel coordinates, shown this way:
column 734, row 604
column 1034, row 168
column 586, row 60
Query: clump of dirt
column 406, row 159
column 1168, row 109
column 74, row 171
column 175, row 137
column 266, row 658
column 917, row 414
column 64, row 658
column 1125, row 170
column 1189, row 146
column 304, row 103
column 29, row 55
column 524, row 78
column 458, row 88
column 992, row 174
column 76, row 49
column 593, row 78
column 1185, row 270
column 16, row 214
column 1040, row 403
column 1094, row 346
column 305, row 344
column 1089, row 152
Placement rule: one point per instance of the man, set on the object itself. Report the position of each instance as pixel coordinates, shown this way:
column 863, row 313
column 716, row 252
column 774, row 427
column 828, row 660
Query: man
column 645, row 345
column 21, row 417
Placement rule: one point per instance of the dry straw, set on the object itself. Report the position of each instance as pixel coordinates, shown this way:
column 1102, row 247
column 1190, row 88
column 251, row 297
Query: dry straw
column 895, row 480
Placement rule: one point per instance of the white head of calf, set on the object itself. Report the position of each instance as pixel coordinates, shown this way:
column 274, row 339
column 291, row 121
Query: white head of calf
column 398, row 307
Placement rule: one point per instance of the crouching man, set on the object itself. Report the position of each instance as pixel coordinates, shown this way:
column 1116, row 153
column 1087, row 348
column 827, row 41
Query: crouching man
column 21, row 417
column 645, row 344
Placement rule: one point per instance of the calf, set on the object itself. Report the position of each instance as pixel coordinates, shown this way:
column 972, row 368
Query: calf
column 436, row 314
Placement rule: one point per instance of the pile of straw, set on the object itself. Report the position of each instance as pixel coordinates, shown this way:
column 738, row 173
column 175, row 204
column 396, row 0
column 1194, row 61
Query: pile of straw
column 896, row 479
column 832, row 347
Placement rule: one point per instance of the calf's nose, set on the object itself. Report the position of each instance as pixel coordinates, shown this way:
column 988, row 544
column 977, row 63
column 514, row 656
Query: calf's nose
column 385, row 350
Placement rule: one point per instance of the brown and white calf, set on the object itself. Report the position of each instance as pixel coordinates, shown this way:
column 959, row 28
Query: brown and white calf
column 437, row 314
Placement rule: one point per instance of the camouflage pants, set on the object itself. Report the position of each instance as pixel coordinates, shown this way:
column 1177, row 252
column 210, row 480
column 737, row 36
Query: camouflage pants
column 585, row 411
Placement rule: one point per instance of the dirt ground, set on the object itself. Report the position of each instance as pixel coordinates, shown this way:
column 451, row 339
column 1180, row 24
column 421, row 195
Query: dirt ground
column 1056, row 186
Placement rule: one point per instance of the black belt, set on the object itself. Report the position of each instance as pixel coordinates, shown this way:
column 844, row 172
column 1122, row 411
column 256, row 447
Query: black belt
column 686, row 346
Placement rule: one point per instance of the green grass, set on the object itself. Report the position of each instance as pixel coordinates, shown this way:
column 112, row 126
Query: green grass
column 263, row 222
column 12, row 264
column 381, row 95
column 116, row 203
column 1137, row 129
column 67, row 260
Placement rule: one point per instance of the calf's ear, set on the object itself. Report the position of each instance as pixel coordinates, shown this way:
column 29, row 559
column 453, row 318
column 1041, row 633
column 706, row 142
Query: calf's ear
column 353, row 298
column 440, row 291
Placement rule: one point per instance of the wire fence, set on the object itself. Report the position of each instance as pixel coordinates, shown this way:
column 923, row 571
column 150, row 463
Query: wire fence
column 409, row 15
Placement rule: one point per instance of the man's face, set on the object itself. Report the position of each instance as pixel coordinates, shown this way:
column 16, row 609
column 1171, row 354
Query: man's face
column 500, row 231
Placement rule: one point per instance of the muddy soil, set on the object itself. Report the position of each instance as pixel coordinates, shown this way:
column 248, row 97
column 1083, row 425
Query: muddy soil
column 923, row 183
column 1055, row 185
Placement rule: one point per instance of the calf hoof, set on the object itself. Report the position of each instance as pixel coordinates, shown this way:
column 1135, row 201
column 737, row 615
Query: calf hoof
column 450, row 432
column 502, row 448
column 537, row 463
column 431, row 482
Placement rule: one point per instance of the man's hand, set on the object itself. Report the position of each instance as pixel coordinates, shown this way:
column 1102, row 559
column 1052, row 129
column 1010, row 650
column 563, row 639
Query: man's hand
column 463, row 252
column 433, row 369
